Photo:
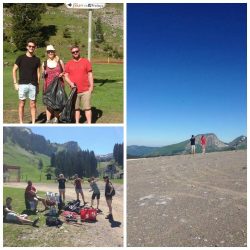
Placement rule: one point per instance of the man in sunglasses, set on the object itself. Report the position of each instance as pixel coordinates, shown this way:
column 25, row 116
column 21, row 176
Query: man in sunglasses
column 29, row 76
column 78, row 72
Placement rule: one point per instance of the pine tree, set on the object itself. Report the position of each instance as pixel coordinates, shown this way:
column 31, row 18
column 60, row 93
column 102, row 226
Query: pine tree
column 26, row 23
column 99, row 37
column 40, row 164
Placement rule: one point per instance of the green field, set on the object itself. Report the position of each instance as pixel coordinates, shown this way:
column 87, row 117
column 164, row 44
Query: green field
column 14, row 155
column 11, row 232
column 107, row 98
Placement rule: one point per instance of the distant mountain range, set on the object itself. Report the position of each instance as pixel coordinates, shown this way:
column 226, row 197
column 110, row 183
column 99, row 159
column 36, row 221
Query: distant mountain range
column 34, row 143
column 107, row 157
column 213, row 145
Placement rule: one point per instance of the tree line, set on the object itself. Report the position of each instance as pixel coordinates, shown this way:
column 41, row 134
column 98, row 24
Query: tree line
column 83, row 163
column 118, row 153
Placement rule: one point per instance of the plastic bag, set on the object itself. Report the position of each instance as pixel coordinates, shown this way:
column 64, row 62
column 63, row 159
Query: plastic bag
column 55, row 96
column 67, row 115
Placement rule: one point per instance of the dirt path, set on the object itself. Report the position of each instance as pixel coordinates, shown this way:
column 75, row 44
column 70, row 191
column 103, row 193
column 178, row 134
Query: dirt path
column 188, row 201
column 102, row 233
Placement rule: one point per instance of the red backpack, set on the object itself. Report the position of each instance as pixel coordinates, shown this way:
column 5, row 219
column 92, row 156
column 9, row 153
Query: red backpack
column 88, row 214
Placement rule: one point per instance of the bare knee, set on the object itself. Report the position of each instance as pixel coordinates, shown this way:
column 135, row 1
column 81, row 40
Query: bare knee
column 32, row 104
column 21, row 103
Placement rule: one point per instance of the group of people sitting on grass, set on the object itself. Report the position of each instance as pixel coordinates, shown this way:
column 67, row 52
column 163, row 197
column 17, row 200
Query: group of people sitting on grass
column 32, row 199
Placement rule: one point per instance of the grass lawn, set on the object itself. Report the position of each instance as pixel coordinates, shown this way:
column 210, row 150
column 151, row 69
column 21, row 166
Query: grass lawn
column 15, row 235
column 107, row 98
column 12, row 232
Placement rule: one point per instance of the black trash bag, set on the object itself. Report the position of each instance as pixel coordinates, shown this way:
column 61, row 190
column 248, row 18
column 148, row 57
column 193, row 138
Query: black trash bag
column 55, row 96
column 73, row 206
column 67, row 115
column 53, row 221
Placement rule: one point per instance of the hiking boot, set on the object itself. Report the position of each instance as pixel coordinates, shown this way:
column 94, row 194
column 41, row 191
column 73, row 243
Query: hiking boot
column 109, row 216
column 48, row 121
column 35, row 222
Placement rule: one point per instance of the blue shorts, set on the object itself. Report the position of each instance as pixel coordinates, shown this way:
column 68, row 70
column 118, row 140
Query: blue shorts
column 27, row 91
column 12, row 217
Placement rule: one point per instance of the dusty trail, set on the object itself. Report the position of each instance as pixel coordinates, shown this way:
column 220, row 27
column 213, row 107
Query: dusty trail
column 102, row 233
column 188, row 201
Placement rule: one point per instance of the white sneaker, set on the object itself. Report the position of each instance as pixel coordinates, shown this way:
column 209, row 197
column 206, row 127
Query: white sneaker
column 54, row 120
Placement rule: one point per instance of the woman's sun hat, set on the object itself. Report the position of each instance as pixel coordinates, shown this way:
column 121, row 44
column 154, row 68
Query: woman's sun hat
column 50, row 47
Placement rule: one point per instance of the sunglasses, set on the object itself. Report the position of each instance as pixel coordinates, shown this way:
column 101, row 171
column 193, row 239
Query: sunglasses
column 75, row 52
column 50, row 51
column 30, row 46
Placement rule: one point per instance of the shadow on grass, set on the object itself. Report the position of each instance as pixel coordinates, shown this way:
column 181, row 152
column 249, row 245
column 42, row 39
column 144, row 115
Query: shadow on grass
column 103, row 81
column 96, row 114
column 29, row 212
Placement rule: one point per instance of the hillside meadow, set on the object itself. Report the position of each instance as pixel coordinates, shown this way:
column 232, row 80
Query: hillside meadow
column 107, row 98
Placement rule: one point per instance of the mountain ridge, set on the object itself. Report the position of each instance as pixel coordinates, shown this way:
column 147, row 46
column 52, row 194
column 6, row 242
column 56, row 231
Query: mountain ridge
column 213, row 145
column 25, row 138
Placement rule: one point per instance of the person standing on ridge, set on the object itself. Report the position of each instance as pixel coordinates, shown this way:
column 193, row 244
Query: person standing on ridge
column 192, row 141
column 203, row 144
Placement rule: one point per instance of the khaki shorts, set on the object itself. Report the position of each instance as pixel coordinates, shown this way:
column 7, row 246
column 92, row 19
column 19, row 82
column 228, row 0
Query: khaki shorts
column 83, row 101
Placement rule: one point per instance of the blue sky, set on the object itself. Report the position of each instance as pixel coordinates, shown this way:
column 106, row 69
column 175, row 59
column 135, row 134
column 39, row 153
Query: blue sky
column 186, row 72
column 99, row 139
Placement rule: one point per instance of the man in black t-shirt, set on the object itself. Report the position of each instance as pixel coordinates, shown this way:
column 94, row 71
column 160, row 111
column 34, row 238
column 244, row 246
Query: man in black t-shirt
column 29, row 76
column 192, row 141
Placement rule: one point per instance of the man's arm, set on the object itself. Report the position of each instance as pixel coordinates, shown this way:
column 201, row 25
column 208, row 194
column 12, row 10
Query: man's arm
column 14, row 75
column 38, row 78
column 71, row 84
column 8, row 210
column 91, row 81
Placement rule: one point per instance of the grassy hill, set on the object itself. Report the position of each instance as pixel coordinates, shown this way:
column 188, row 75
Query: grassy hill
column 16, row 156
column 57, row 19
column 107, row 98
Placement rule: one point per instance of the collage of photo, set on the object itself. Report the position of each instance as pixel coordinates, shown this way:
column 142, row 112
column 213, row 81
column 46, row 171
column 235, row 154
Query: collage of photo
column 124, row 124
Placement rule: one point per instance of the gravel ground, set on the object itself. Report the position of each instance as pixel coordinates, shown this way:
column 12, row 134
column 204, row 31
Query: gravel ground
column 100, row 234
column 188, row 201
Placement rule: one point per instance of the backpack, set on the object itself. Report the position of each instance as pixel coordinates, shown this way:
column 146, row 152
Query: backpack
column 53, row 221
column 88, row 214
column 70, row 216
column 113, row 191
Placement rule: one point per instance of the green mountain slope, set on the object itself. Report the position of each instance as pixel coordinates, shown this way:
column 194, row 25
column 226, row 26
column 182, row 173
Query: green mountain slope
column 57, row 19
column 14, row 155
column 213, row 145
